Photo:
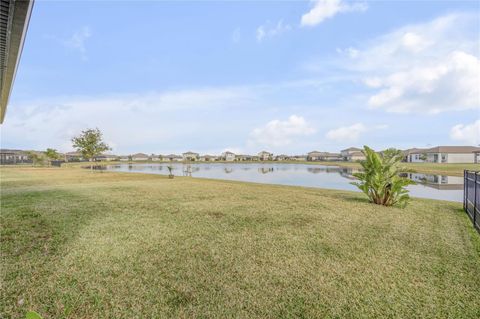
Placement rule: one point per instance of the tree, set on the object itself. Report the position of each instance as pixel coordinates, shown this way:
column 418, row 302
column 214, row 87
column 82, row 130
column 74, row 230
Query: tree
column 35, row 157
column 381, row 180
column 90, row 144
column 52, row 154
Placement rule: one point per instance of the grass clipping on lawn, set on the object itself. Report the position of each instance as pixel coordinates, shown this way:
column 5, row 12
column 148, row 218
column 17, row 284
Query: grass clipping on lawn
column 77, row 244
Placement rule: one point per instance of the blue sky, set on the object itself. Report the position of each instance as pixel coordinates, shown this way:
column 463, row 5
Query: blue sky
column 209, row 76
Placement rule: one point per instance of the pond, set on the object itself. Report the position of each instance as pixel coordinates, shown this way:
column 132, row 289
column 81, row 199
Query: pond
column 334, row 177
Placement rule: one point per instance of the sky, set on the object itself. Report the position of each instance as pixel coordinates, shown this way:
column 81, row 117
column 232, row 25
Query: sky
column 284, row 76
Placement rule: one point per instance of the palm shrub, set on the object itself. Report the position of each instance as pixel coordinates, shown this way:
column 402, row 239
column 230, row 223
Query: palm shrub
column 380, row 179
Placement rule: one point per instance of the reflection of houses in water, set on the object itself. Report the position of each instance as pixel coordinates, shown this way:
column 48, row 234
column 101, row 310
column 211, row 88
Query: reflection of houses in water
column 346, row 172
column 436, row 181
column 189, row 169
column 265, row 170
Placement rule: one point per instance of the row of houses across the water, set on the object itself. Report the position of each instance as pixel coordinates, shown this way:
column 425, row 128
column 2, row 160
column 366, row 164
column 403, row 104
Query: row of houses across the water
column 438, row 154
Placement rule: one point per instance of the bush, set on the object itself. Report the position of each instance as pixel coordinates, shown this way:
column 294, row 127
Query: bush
column 381, row 180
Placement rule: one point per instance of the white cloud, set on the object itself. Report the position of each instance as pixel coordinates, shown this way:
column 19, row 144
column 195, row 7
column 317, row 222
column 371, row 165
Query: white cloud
column 324, row 9
column 431, row 67
column 449, row 84
column 128, row 120
column 351, row 133
column 350, row 52
column 78, row 40
column 280, row 133
column 268, row 30
column 467, row 133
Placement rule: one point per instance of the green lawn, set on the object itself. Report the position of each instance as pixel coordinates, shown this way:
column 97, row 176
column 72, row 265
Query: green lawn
column 77, row 244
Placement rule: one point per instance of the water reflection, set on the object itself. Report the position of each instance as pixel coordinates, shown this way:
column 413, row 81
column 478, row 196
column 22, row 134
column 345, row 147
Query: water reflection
column 429, row 186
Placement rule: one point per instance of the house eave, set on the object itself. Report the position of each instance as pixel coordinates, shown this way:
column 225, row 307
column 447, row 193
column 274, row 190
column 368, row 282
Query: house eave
column 14, row 20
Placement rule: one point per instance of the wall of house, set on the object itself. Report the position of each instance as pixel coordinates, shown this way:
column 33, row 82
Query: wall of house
column 354, row 158
column 230, row 157
column 461, row 158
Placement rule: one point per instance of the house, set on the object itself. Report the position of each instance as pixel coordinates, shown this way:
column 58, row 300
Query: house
column 243, row 157
column 106, row 158
column 282, row 157
column 13, row 157
column 444, row 154
column 228, row 156
column 156, row 158
column 407, row 153
column 73, row 157
column 208, row 158
column 477, row 156
column 323, row 156
column 190, row 156
column 352, row 154
column 301, row 158
column 124, row 158
column 140, row 157
column 265, row 156
column 172, row 158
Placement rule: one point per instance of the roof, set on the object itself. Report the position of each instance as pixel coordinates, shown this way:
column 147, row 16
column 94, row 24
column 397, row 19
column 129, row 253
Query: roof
column 140, row 155
column 73, row 154
column 323, row 154
column 190, row 152
column 414, row 151
column 448, row 149
column 107, row 155
column 351, row 149
column 14, row 19
column 228, row 152
column 4, row 150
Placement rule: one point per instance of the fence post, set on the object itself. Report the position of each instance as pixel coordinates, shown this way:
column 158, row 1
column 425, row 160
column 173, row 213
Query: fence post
column 465, row 189
column 475, row 202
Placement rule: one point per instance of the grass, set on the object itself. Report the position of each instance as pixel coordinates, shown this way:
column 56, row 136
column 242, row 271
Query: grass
column 426, row 168
column 77, row 244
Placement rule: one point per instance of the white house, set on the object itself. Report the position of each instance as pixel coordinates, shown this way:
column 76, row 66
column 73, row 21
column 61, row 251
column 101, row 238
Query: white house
column 243, row 157
column 282, row 157
column 265, row 156
column 477, row 156
column 172, row 158
column 208, row 158
column 13, row 156
column 73, row 157
column 106, row 158
column 140, row 157
column 190, row 156
column 444, row 154
column 352, row 154
column 323, row 156
column 228, row 156
column 156, row 158
column 299, row 158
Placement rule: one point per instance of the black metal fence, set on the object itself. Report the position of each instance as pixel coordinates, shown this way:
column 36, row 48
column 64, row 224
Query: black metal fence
column 471, row 196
